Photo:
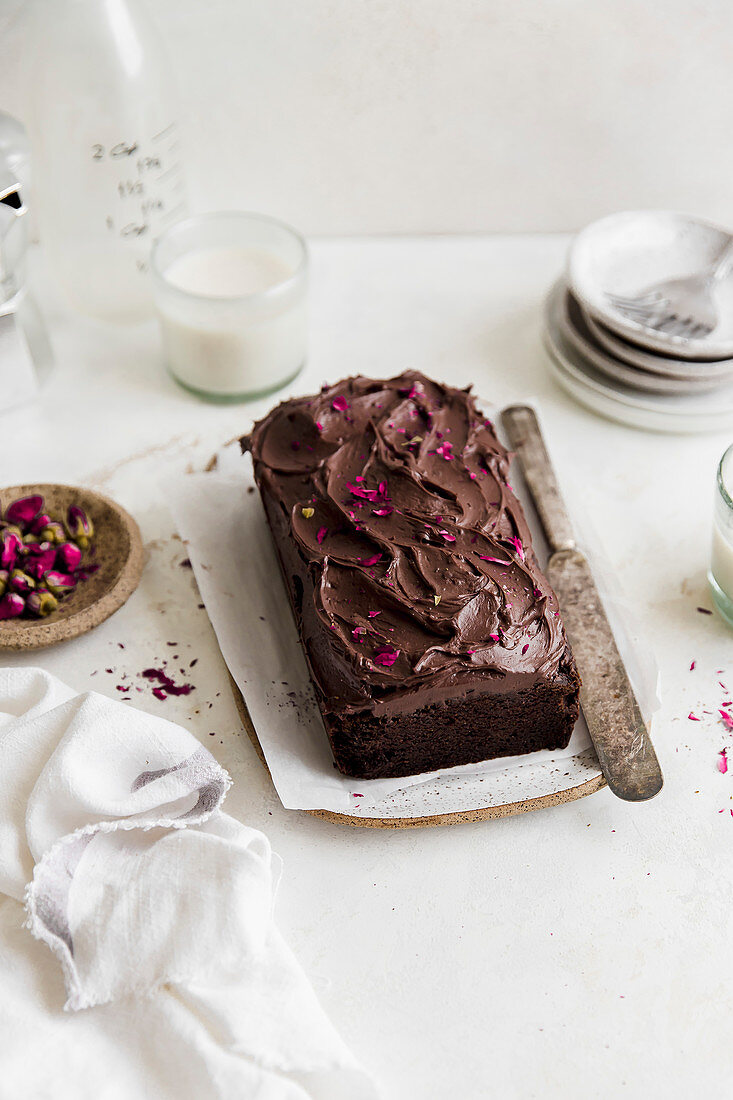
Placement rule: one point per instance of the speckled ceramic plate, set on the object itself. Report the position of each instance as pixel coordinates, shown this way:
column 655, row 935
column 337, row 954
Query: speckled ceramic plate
column 719, row 370
column 118, row 552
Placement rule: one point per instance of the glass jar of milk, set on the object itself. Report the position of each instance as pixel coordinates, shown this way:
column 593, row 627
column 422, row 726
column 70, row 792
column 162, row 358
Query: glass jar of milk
column 720, row 574
column 231, row 296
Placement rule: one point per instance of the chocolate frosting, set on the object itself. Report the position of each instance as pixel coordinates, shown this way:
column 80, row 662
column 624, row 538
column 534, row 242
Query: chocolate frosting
column 423, row 575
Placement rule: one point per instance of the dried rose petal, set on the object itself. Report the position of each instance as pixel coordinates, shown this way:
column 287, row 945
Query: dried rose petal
column 386, row 657
column 518, row 547
column 24, row 511
column 87, row 572
column 722, row 761
column 340, row 404
column 321, row 534
column 11, row 606
column 370, row 561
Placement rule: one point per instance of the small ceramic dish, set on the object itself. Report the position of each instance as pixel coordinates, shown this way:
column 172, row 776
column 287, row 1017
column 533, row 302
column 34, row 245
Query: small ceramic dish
column 575, row 327
column 692, row 370
column 627, row 253
column 118, row 551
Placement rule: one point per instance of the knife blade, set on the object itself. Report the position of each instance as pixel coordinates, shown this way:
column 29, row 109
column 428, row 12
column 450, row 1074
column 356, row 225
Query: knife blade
column 611, row 710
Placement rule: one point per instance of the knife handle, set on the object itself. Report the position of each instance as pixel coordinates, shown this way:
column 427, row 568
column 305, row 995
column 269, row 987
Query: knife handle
column 525, row 436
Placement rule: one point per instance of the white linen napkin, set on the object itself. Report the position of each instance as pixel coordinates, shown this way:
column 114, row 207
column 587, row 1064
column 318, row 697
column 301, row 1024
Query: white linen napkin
column 111, row 832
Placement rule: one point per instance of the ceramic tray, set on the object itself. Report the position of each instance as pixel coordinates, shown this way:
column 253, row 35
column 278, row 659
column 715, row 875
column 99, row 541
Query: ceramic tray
column 119, row 555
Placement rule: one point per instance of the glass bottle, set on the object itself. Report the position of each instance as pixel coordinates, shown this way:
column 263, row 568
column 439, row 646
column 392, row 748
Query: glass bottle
column 107, row 169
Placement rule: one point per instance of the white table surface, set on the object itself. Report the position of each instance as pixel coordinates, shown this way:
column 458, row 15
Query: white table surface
column 580, row 951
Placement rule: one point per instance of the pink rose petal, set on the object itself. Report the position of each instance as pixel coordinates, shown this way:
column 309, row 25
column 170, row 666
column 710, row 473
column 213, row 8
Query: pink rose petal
column 722, row 761
column 322, row 532
column 386, row 657
column 340, row 404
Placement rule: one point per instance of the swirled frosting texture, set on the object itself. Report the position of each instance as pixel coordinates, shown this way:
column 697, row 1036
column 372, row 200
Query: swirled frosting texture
column 419, row 556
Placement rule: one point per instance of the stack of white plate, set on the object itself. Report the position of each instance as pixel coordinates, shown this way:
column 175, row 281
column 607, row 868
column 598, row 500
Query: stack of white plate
column 619, row 367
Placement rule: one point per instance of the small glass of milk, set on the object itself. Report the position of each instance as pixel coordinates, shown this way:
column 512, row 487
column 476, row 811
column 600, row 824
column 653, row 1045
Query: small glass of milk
column 720, row 574
column 231, row 295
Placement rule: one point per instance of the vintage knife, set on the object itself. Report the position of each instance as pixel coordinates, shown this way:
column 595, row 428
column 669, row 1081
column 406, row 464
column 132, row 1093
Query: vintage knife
column 619, row 734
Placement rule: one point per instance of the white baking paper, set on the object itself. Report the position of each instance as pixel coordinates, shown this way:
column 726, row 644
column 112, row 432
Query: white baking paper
column 231, row 550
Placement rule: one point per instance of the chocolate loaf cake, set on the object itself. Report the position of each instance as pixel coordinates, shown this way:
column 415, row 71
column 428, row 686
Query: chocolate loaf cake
column 432, row 636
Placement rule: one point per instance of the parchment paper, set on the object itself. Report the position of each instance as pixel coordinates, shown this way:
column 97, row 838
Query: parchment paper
column 230, row 547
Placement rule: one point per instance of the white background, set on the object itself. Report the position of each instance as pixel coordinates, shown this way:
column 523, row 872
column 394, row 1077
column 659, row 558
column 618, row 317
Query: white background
column 435, row 116
column 580, row 952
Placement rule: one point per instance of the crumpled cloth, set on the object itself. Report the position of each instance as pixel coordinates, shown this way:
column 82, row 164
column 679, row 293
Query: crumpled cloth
column 158, row 909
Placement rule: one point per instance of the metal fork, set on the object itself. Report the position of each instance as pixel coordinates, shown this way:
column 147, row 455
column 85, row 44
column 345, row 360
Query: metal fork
column 683, row 307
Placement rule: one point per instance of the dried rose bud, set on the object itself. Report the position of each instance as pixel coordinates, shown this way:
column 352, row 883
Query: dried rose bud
column 79, row 526
column 10, row 546
column 41, row 557
column 29, row 540
column 59, row 583
column 21, row 582
column 41, row 603
column 24, row 511
column 39, row 523
column 11, row 606
column 53, row 532
column 68, row 557
column 4, row 578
